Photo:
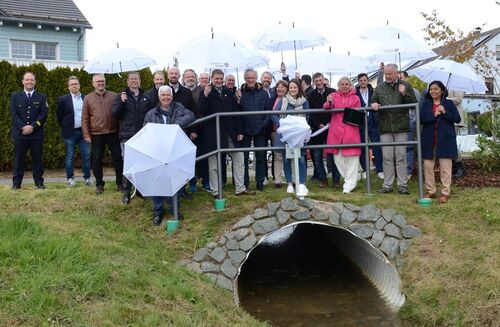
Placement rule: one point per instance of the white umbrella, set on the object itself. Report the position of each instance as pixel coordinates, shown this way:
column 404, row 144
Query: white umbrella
column 454, row 75
column 282, row 38
column 218, row 50
column 336, row 64
column 119, row 60
column 159, row 159
column 294, row 130
column 383, row 33
column 400, row 50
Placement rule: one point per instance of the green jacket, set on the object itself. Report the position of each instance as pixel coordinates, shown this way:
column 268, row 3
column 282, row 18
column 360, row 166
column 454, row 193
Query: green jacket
column 393, row 120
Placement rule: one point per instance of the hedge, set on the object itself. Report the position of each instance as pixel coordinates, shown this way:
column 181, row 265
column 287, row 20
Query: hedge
column 54, row 84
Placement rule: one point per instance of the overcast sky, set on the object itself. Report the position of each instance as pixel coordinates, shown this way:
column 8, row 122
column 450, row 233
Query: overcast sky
column 160, row 28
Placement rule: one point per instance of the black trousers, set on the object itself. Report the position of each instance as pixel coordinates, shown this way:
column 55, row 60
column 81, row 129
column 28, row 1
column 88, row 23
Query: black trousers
column 98, row 145
column 21, row 149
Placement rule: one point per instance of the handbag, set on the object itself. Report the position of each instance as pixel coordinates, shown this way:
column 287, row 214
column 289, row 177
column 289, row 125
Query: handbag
column 353, row 117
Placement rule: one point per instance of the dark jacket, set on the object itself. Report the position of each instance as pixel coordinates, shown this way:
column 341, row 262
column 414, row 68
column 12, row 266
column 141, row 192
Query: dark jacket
column 26, row 111
column 229, row 126
column 255, row 99
column 185, row 97
column 372, row 115
column 131, row 113
column 66, row 115
column 393, row 120
column 153, row 95
column 446, row 138
column 316, row 101
column 179, row 115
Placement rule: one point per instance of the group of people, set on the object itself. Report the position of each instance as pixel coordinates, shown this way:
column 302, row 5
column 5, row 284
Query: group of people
column 104, row 118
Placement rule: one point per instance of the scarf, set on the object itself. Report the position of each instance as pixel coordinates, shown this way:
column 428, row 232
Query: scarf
column 296, row 103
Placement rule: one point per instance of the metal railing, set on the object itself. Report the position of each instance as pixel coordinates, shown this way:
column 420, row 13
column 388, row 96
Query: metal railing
column 367, row 144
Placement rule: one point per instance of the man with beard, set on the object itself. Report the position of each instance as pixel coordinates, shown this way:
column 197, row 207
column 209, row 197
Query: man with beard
column 158, row 80
column 130, row 108
column 253, row 97
column 204, row 79
column 230, row 83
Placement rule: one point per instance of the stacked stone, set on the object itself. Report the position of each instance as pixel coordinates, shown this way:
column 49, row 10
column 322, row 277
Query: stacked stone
column 385, row 229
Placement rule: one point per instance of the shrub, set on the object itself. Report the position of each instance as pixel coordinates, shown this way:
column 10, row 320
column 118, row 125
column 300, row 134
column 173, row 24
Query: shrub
column 489, row 146
column 485, row 123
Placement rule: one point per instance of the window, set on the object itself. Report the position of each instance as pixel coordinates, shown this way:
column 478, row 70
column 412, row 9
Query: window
column 498, row 53
column 33, row 50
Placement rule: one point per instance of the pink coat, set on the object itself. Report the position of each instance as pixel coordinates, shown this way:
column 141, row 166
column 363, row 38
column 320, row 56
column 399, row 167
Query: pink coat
column 340, row 133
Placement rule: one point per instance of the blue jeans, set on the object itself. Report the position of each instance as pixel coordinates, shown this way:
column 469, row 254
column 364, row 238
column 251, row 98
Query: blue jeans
column 319, row 167
column 159, row 200
column 260, row 158
column 84, row 147
column 287, row 166
column 374, row 136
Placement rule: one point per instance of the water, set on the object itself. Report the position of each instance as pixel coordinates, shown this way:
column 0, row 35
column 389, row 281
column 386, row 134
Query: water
column 305, row 281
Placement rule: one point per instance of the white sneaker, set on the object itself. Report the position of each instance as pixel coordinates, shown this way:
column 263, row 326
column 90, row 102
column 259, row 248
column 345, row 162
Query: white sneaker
column 381, row 175
column 265, row 182
column 302, row 190
column 363, row 175
column 290, row 189
column 71, row 182
column 87, row 182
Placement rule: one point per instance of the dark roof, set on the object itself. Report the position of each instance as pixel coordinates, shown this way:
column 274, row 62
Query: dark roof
column 53, row 12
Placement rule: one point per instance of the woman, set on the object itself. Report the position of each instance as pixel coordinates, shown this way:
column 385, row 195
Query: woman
column 439, row 140
column 346, row 159
column 281, row 89
column 167, row 112
column 293, row 100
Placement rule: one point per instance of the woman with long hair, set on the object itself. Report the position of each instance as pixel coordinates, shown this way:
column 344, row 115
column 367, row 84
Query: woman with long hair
column 280, row 89
column 438, row 117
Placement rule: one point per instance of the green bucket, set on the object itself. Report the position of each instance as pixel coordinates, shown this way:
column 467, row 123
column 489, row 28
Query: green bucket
column 425, row 202
column 220, row 204
column 172, row 226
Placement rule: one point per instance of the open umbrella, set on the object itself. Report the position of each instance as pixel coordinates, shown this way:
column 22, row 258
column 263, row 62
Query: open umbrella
column 282, row 38
column 159, row 159
column 218, row 50
column 383, row 33
column 400, row 50
column 332, row 63
column 456, row 76
column 119, row 60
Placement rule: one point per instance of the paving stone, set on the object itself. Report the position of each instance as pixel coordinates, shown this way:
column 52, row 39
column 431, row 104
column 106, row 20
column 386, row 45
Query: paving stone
column 288, row 204
column 392, row 230
column 388, row 214
column 211, row 245
column 272, row 207
column 390, row 247
column 265, row 226
column 241, row 233
column 248, row 242
column 232, row 245
column 377, row 238
column 211, row 276
column 319, row 214
column 362, row 230
column 338, row 207
column 301, row 215
column 347, row 217
column 228, row 269
column 209, row 267
column 282, row 216
column 200, row 254
column 194, row 266
column 236, row 257
column 410, row 231
column 368, row 213
column 218, row 254
column 308, row 203
column 245, row 222
column 380, row 224
column 260, row 213
column 399, row 220
column 224, row 282
column 334, row 218
column 351, row 207
column 404, row 246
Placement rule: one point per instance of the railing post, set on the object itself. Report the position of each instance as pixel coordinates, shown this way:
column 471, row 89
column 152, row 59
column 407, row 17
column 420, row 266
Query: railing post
column 419, row 153
column 367, row 157
column 219, row 156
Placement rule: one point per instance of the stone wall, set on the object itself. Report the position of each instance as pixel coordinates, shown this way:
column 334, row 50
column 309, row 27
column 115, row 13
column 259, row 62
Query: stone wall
column 386, row 230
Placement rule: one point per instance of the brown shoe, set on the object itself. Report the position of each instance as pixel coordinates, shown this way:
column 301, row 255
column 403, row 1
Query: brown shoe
column 277, row 185
column 245, row 192
column 323, row 184
column 443, row 198
column 430, row 195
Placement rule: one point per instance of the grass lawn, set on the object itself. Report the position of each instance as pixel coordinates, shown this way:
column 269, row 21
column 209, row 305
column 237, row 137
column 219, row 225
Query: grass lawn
column 72, row 258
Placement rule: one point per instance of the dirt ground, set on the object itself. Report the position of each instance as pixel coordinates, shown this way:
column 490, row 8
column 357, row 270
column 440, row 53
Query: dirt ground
column 476, row 177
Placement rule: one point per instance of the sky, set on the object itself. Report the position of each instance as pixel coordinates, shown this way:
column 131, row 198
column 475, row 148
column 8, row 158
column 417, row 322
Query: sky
column 160, row 28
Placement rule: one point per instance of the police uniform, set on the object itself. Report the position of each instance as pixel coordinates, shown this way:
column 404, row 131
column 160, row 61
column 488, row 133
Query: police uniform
column 28, row 110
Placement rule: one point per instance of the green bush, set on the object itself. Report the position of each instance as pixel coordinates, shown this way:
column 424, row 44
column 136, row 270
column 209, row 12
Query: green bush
column 489, row 146
column 54, row 84
column 485, row 123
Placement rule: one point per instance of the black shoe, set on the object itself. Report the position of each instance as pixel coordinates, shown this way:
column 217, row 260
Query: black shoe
column 403, row 190
column 16, row 187
column 245, row 192
column 385, row 190
column 119, row 188
column 260, row 188
column 157, row 220
column 180, row 216
column 99, row 189
column 40, row 187
column 126, row 198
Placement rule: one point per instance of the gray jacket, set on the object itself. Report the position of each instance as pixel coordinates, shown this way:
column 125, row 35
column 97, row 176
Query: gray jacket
column 178, row 114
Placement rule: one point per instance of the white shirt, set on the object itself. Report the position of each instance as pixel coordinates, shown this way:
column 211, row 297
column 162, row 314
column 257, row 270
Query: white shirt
column 77, row 108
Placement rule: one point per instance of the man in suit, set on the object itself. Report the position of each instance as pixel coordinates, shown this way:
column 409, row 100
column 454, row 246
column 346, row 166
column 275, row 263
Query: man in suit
column 69, row 117
column 28, row 109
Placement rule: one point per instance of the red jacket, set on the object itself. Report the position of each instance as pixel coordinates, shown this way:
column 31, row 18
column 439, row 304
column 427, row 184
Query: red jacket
column 340, row 133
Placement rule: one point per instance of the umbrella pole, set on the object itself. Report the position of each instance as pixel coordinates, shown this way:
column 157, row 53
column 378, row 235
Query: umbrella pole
column 296, row 153
column 238, row 77
column 295, row 51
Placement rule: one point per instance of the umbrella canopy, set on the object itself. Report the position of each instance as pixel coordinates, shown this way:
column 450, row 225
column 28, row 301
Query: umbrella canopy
column 218, row 50
column 454, row 75
column 294, row 130
column 400, row 50
column 119, row 60
column 159, row 159
column 281, row 38
column 383, row 33
column 336, row 64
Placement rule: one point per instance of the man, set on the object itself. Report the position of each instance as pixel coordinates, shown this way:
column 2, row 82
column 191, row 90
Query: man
column 183, row 96
column 69, row 117
column 204, row 79
column 394, row 125
column 167, row 112
column 458, row 170
column 403, row 75
column 230, row 83
column 28, row 109
column 217, row 98
column 158, row 80
column 190, row 81
column 266, row 79
column 306, row 85
column 100, row 128
column 252, row 97
column 364, row 91
column 317, row 121
column 130, row 108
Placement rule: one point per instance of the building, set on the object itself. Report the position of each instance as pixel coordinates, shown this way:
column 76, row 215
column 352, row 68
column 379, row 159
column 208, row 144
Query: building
column 51, row 32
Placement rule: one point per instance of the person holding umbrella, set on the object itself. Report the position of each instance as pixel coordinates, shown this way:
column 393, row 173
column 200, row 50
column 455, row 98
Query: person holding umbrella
column 167, row 112
column 439, row 141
